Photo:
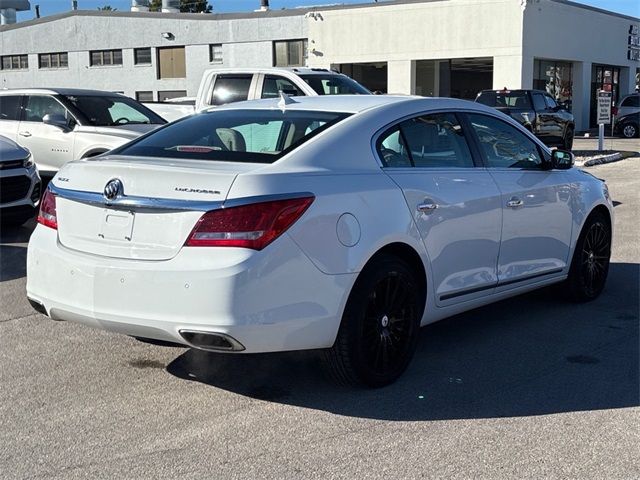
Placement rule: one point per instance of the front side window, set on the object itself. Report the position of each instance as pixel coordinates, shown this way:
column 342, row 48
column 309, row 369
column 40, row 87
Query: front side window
column 503, row 145
column 432, row 141
column 231, row 88
column 40, row 105
column 10, row 107
column 273, row 84
column 256, row 136
column 111, row 111
column 551, row 103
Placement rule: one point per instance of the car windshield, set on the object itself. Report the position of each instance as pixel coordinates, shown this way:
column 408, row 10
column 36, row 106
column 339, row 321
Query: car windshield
column 105, row 111
column 334, row 85
column 505, row 98
column 254, row 136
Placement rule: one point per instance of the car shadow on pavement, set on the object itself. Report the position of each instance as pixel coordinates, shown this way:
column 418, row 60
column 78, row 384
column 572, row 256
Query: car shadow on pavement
column 13, row 257
column 530, row 355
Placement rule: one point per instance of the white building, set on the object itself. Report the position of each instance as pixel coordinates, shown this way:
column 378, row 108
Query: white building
column 425, row 47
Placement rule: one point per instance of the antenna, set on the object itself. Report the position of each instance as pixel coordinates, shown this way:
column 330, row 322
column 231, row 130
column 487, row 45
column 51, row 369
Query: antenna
column 284, row 100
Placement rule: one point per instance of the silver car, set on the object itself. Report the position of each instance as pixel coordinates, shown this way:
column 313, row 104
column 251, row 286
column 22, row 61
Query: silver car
column 19, row 184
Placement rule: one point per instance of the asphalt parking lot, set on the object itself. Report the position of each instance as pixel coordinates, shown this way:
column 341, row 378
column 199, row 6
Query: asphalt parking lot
column 531, row 387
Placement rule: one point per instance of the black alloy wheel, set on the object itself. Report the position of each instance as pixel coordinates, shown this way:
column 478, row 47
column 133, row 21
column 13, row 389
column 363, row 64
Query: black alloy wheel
column 590, row 264
column 379, row 330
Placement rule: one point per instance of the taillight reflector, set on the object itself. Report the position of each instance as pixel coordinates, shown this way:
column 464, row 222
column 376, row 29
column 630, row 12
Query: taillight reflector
column 47, row 215
column 250, row 226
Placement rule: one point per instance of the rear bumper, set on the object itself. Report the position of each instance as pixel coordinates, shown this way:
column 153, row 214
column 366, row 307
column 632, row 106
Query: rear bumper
column 273, row 300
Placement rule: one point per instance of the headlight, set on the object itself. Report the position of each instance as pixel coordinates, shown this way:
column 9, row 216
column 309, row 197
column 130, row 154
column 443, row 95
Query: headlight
column 28, row 162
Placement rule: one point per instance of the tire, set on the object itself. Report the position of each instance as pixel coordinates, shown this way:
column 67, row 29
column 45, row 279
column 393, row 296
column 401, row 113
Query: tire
column 380, row 325
column 629, row 130
column 567, row 141
column 590, row 263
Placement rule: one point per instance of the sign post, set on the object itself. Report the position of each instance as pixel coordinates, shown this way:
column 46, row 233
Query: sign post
column 604, row 115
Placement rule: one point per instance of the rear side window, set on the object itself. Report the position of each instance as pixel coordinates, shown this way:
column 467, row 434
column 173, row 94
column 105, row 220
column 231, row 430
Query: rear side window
column 255, row 136
column 231, row 88
column 428, row 141
column 632, row 101
column 505, row 99
column 274, row 84
column 538, row 102
column 10, row 107
column 503, row 145
column 40, row 105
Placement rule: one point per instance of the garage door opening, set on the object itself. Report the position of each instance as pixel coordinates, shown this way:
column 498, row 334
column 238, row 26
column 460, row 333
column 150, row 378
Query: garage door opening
column 457, row 78
column 371, row 75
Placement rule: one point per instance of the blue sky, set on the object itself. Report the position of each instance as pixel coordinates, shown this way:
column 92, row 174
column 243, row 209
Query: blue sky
column 48, row 7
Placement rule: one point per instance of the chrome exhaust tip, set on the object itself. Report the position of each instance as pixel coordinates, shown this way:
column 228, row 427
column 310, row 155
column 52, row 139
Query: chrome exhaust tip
column 37, row 306
column 211, row 341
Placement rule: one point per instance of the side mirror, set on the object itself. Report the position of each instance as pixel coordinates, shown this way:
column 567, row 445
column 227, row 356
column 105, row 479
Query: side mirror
column 561, row 159
column 56, row 120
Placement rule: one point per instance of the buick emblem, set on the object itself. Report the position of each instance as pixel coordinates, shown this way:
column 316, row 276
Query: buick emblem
column 112, row 189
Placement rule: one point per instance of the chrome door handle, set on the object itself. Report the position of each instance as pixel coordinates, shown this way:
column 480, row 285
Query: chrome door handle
column 515, row 202
column 25, row 134
column 427, row 207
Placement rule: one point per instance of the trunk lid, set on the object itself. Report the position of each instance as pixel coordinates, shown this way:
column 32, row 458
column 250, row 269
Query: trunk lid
column 160, row 201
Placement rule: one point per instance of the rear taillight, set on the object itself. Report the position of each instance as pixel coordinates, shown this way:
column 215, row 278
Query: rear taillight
column 250, row 226
column 47, row 215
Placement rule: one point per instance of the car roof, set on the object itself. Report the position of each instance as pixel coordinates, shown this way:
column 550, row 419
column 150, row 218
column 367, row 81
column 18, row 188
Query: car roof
column 294, row 70
column 348, row 103
column 59, row 91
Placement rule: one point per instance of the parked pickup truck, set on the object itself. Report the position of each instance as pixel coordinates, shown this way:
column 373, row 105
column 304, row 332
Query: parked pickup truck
column 226, row 85
column 537, row 111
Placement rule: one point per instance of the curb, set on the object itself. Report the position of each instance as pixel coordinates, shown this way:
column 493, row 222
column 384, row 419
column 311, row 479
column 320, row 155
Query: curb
column 602, row 159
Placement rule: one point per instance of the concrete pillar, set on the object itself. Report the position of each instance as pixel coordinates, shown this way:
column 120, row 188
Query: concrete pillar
column 627, row 80
column 581, row 94
column 401, row 76
column 508, row 72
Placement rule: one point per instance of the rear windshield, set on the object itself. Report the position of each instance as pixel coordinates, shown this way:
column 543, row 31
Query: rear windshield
column 255, row 136
column 505, row 99
column 334, row 84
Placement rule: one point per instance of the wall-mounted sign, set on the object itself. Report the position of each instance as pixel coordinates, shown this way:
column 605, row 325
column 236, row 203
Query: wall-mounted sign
column 604, row 107
column 633, row 47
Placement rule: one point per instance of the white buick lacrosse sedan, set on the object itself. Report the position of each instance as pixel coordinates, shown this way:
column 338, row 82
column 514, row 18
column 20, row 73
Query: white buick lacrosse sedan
column 336, row 223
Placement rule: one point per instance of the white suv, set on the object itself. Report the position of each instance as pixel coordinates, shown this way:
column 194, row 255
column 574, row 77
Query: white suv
column 59, row 125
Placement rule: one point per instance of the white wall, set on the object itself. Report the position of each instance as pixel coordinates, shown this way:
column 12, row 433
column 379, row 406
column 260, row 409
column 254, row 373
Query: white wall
column 246, row 42
column 421, row 31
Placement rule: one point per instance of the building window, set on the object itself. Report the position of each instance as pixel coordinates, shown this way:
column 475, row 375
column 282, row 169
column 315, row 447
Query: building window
column 142, row 56
column 290, row 53
column 215, row 53
column 555, row 78
column 15, row 62
column 53, row 60
column 144, row 96
column 105, row 57
column 171, row 62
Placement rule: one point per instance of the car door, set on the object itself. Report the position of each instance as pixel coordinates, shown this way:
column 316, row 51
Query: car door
column 10, row 108
column 50, row 146
column 536, row 206
column 557, row 120
column 542, row 128
column 455, row 204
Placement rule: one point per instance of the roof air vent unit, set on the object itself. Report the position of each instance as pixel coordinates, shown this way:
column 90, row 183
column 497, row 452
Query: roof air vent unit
column 8, row 9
